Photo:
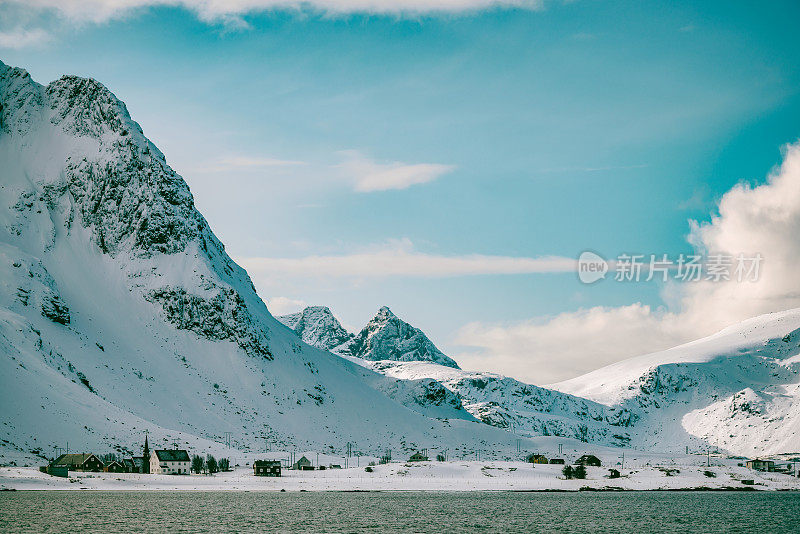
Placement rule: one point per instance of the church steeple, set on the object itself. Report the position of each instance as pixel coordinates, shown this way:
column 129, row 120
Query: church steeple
column 146, row 457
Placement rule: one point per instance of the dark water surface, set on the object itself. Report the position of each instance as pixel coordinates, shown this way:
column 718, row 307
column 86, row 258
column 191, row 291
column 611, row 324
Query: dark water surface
column 176, row 511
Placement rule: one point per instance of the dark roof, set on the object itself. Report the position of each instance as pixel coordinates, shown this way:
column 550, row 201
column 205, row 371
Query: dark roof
column 72, row 459
column 266, row 463
column 172, row 455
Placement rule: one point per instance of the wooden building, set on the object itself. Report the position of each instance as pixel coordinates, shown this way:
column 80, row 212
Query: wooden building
column 302, row 463
column 761, row 465
column 537, row 459
column 418, row 457
column 79, row 462
column 267, row 468
column 557, row 461
column 588, row 460
column 114, row 467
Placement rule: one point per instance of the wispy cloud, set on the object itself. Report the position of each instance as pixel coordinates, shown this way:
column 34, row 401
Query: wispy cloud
column 229, row 12
column 23, row 38
column 368, row 175
column 399, row 258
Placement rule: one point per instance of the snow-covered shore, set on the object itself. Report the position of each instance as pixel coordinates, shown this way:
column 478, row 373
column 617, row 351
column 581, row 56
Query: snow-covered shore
column 421, row 476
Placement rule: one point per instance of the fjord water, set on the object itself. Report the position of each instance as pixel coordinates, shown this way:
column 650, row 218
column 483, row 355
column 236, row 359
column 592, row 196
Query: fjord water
column 624, row 512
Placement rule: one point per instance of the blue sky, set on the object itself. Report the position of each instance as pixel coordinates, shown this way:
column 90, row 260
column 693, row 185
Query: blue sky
column 602, row 125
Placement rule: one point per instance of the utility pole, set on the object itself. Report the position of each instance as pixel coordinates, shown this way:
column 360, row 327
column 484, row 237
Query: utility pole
column 623, row 461
column 708, row 451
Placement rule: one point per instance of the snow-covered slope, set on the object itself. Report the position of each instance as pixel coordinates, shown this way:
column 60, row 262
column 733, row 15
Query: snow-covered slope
column 737, row 390
column 120, row 310
column 526, row 409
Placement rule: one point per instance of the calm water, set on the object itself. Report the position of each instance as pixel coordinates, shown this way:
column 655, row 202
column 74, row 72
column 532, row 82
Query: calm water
column 706, row 512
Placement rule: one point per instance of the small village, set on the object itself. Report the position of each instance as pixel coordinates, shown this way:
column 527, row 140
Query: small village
column 179, row 462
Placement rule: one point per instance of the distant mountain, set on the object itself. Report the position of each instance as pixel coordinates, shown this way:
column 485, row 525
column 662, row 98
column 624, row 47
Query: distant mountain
column 737, row 390
column 317, row 326
column 385, row 337
column 400, row 351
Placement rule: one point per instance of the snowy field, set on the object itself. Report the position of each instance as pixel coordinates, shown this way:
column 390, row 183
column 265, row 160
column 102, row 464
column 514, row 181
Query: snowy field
column 421, row 476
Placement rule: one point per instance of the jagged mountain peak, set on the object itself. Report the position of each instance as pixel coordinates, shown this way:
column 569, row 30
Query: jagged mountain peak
column 387, row 337
column 317, row 326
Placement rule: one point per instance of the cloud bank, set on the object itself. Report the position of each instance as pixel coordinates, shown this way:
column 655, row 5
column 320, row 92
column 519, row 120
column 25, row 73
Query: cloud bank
column 763, row 219
column 22, row 38
column 399, row 258
column 222, row 10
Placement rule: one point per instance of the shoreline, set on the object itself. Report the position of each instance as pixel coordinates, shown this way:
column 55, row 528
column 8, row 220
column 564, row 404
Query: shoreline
column 450, row 477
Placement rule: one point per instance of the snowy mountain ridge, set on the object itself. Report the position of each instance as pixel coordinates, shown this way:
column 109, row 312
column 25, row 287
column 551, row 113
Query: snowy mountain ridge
column 738, row 390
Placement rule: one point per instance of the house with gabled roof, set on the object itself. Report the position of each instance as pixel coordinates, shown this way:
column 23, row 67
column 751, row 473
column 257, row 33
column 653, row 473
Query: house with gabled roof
column 170, row 462
column 79, row 462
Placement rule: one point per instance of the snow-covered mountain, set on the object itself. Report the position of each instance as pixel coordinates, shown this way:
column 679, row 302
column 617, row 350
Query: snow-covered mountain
column 318, row 327
column 394, row 348
column 121, row 312
column 737, row 391
column 385, row 337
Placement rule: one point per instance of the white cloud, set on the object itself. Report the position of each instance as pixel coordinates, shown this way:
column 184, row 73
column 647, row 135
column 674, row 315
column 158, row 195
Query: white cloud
column 23, row 38
column 399, row 258
column 750, row 220
column 231, row 11
column 548, row 350
column 368, row 175
column 284, row 305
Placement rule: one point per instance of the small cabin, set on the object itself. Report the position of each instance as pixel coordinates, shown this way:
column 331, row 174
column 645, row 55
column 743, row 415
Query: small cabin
column 557, row 461
column 301, row 464
column 537, row 459
column 588, row 460
column 761, row 465
column 418, row 457
column 613, row 473
column 267, row 468
column 114, row 467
